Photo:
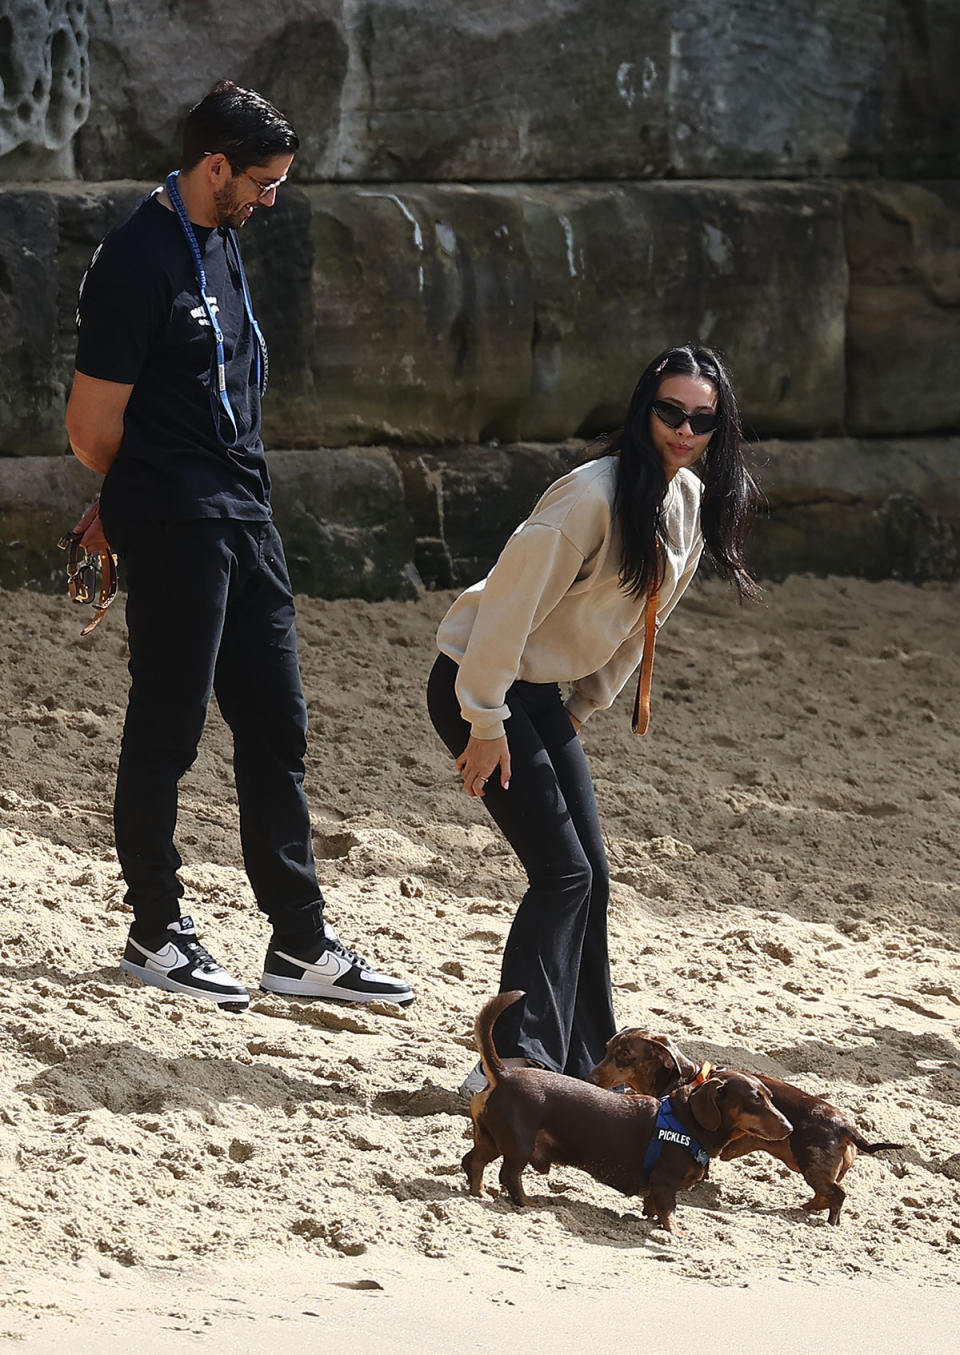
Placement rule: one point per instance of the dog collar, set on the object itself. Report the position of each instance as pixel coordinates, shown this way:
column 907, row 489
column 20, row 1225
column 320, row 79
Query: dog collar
column 668, row 1129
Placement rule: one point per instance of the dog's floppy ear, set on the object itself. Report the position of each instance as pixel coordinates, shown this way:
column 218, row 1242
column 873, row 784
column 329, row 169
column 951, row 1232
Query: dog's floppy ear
column 648, row 1063
column 667, row 1053
column 703, row 1103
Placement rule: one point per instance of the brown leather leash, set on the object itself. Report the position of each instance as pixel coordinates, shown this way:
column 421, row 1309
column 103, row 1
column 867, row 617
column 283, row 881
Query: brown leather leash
column 91, row 576
column 641, row 706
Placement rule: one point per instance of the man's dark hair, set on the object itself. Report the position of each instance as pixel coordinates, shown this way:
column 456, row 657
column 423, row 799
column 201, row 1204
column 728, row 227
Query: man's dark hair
column 240, row 124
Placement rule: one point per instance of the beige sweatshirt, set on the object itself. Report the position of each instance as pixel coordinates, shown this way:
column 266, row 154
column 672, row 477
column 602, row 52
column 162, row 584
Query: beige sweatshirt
column 552, row 608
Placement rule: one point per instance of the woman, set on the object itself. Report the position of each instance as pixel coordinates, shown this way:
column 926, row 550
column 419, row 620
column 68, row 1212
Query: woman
column 565, row 602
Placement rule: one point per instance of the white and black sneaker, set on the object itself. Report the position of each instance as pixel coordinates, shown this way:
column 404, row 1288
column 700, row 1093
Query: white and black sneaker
column 476, row 1080
column 175, row 960
column 326, row 968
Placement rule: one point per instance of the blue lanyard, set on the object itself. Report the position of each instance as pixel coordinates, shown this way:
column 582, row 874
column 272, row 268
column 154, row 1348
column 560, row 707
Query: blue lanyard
column 263, row 365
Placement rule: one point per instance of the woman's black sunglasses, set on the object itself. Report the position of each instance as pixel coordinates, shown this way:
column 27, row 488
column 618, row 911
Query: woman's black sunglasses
column 673, row 416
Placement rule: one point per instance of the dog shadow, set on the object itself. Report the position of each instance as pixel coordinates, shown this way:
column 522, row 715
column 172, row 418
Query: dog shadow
column 597, row 1225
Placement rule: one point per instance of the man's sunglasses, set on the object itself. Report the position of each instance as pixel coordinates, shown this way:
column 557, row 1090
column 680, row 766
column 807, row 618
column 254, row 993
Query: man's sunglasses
column 673, row 416
column 262, row 188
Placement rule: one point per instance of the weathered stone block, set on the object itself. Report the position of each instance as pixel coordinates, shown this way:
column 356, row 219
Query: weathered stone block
column 367, row 522
column 533, row 90
column 903, row 346
column 570, row 89
column 921, row 103
column 145, row 76
column 446, row 313
column 450, row 313
column 47, row 238
column 32, row 389
column 457, row 314
column 466, row 501
column 421, row 315
column 44, row 85
column 796, row 87
column 401, row 90
column 41, row 497
column 877, row 509
column 620, row 272
column 345, row 527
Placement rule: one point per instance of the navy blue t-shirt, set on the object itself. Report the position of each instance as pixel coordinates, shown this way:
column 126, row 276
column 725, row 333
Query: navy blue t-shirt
column 141, row 321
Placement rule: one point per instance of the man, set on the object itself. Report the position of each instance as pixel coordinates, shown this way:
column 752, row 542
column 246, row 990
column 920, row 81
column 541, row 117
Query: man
column 170, row 368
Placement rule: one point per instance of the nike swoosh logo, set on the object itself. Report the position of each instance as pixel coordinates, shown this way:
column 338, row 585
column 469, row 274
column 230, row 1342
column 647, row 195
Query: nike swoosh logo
column 328, row 966
column 169, row 957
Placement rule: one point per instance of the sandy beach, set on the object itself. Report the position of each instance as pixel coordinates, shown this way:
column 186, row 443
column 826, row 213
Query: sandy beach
column 783, row 846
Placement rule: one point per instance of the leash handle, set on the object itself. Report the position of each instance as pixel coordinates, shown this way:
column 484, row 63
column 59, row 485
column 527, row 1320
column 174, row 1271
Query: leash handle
column 641, row 704
column 81, row 565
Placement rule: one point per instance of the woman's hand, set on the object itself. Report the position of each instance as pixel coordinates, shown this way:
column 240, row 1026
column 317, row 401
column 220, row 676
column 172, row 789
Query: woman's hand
column 480, row 759
column 577, row 724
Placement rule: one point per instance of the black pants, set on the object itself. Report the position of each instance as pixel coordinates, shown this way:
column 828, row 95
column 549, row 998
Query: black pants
column 557, row 947
column 210, row 610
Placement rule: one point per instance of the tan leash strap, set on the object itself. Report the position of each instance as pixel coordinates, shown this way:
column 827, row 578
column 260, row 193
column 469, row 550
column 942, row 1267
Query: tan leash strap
column 641, row 706
column 107, row 591
column 80, row 576
column 704, row 1074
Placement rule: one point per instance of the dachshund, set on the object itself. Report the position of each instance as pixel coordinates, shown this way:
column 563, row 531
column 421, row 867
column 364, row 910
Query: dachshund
column 822, row 1147
column 636, row 1144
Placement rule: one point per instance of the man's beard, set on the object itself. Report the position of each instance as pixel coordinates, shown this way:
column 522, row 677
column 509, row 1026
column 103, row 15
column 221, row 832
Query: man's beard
column 230, row 212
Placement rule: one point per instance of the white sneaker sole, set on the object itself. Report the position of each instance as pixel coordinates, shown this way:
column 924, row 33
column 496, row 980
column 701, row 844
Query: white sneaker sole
column 287, row 987
column 471, row 1085
column 231, row 1003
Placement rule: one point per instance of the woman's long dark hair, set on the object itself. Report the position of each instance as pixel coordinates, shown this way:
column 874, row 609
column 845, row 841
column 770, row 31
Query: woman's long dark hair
column 729, row 493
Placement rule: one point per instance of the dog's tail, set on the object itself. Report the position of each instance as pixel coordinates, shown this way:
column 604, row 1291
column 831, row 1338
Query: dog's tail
column 862, row 1146
column 483, row 1033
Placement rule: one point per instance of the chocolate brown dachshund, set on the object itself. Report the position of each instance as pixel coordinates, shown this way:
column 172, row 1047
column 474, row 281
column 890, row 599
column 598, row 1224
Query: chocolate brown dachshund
column 822, row 1147
column 530, row 1115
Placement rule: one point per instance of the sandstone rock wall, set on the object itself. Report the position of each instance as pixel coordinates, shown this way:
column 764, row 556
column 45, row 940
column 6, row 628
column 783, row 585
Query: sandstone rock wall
column 498, row 213
column 406, row 90
column 377, row 522
column 455, row 313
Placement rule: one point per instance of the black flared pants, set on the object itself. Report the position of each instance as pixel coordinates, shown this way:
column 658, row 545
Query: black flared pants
column 557, row 947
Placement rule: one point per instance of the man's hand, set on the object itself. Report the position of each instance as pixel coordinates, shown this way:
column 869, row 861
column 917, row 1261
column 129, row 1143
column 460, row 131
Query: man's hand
column 93, row 539
column 480, row 759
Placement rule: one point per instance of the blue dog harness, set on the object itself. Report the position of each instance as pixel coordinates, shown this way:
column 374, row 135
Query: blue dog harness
column 668, row 1129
